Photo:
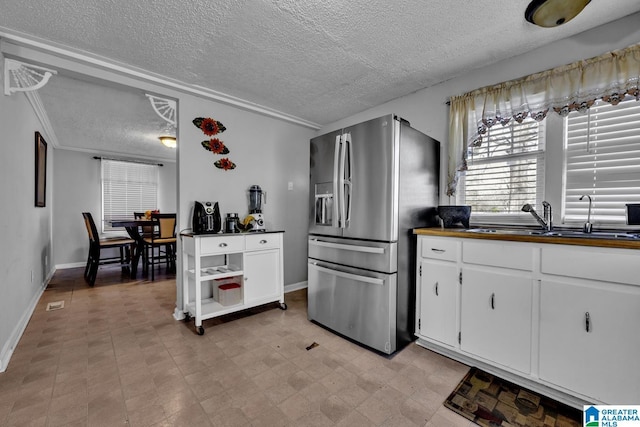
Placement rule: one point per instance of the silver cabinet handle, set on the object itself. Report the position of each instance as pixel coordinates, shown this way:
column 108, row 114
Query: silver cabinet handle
column 587, row 321
column 493, row 301
column 223, row 245
column 440, row 251
column 436, row 288
column 262, row 242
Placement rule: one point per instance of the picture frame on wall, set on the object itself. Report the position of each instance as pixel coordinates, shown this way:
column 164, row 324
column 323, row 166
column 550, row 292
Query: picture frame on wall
column 41, row 171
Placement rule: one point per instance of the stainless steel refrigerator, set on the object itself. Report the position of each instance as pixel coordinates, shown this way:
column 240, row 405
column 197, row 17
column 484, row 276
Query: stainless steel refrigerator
column 370, row 185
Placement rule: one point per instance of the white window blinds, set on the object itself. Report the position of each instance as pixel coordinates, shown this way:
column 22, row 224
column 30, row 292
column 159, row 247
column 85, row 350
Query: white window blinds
column 602, row 160
column 507, row 170
column 127, row 187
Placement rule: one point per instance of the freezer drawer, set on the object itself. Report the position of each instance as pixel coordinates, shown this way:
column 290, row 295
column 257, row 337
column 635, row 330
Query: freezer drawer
column 358, row 304
column 376, row 256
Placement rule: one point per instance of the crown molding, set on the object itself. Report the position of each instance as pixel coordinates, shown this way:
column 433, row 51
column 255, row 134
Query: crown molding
column 41, row 114
column 102, row 63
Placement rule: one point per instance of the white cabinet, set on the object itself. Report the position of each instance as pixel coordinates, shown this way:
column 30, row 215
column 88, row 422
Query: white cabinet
column 437, row 290
column 589, row 340
column 558, row 319
column 253, row 261
column 496, row 316
column 263, row 267
column 438, row 297
column 588, row 329
column 496, row 302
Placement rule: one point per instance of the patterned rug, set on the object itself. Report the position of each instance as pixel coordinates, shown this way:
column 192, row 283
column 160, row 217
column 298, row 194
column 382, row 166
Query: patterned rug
column 491, row 401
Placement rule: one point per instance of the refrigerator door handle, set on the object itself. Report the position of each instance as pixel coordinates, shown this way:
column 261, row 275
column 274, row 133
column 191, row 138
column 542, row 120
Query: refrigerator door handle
column 356, row 248
column 356, row 277
column 336, row 162
column 341, row 183
column 347, row 185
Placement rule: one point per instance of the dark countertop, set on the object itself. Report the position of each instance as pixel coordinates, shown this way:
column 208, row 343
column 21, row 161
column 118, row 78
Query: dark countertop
column 247, row 233
column 506, row 235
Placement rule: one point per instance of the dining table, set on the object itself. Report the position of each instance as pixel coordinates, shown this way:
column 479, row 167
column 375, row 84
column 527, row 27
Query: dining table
column 132, row 226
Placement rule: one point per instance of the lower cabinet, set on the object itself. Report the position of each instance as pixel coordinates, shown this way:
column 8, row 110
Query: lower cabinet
column 496, row 317
column 262, row 275
column 558, row 319
column 589, row 339
column 438, row 301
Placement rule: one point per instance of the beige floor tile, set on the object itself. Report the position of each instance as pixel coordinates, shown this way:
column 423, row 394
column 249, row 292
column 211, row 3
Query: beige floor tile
column 115, row 356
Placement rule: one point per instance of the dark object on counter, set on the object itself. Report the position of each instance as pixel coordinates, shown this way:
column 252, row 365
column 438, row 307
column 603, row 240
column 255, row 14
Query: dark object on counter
column 206, row 218
column 452, row 215
column 633, row 214
column 231, row 223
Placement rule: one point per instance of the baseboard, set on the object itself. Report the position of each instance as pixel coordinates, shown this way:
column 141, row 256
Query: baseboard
column 14, row 338
column 70, row 265
column 295, row 286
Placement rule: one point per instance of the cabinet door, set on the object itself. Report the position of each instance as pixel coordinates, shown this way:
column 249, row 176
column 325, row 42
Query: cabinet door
column 262, row 275
column 595, row 354
column 496, row 316
column 438, row 296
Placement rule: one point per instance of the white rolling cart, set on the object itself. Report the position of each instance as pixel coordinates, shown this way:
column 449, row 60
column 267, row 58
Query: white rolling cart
column 253, row 261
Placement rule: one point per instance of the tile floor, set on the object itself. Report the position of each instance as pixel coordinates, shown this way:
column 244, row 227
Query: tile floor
column 114, row 356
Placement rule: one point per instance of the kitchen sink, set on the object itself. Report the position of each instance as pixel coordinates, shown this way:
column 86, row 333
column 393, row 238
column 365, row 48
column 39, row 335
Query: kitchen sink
column 592, row 235
column 558, row 233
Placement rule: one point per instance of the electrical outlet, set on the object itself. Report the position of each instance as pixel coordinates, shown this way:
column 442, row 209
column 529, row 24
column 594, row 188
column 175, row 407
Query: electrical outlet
column 290, row 186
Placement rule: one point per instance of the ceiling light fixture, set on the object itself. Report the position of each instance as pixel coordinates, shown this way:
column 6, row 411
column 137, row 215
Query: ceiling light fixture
column 169, row 141
column 551, row 13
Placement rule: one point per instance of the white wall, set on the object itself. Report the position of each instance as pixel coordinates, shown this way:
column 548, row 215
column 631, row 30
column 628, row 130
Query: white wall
column 268, row 152
column 25, row 251
column 427, row 110
column 77, row 189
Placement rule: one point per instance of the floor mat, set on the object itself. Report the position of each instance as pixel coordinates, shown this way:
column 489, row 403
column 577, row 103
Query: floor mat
column 491, row 401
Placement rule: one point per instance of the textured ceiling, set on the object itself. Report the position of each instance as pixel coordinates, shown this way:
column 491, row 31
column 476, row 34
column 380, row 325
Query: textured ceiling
column 316, row 60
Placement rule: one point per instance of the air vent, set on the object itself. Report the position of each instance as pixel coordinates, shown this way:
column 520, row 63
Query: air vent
column 57, row 305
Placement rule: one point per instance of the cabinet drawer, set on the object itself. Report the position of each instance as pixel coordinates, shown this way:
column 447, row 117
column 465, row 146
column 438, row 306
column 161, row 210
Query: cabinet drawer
column 221, row 244
column 443, row 249
column 620, row 266
column 498, row 254
column 262, row 241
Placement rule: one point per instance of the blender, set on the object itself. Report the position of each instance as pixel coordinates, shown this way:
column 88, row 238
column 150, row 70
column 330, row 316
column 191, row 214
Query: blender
column 256, row 196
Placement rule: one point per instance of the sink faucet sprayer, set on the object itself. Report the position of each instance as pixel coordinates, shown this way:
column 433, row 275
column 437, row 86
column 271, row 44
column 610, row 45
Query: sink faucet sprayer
column 547, row 222
column 587, row 225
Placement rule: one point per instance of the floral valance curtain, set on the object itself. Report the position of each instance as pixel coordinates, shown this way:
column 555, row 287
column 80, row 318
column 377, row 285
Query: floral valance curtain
column 573, row 87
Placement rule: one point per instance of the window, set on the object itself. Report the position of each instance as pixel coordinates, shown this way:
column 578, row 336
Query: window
column 602, row 160
column 127, row 187
column 506, row 171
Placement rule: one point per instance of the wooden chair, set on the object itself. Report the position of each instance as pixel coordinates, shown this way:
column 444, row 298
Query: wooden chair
column 163, row 239
column 144, row 231
column 96, row 245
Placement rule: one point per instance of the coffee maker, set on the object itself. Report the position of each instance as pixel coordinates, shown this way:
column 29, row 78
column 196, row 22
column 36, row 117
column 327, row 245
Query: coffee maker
column 256, row 196
column 206, row 218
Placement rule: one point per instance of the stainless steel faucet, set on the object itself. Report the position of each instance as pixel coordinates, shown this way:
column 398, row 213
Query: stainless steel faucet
column 548, row 215
column 547, row 222
column 587, row 225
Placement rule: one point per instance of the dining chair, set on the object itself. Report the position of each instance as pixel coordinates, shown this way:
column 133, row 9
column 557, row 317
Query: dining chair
column 144, row 231
column 163, row 237
column 96, row 246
